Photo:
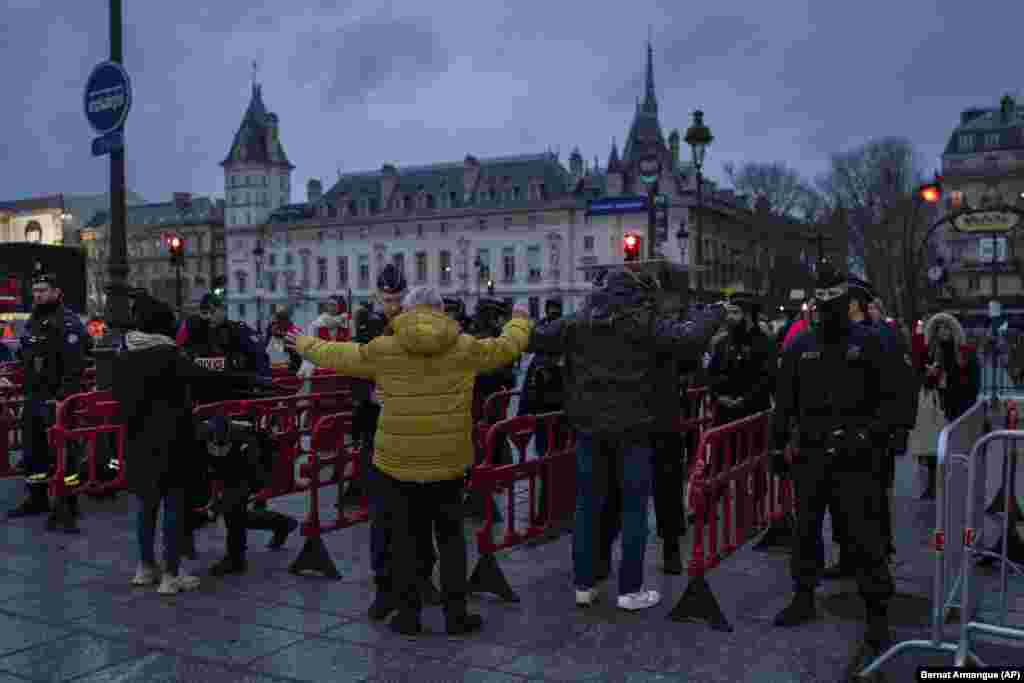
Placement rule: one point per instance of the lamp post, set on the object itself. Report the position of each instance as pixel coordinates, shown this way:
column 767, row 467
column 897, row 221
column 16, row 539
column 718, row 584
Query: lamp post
column 650, row 172
column 698, row 137
column 257, row 255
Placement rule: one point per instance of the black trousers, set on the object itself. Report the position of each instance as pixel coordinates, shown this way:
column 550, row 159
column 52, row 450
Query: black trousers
column 416, row 509
column 851, row 487
column 669, row 469
column 238, row 519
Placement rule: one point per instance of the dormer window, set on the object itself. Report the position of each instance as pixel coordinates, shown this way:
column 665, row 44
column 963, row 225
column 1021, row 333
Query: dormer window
column 353, row 208
column 966, row 143
column 453, row 199
column 992, row 139
column 516, row 193
column 491, row 194
column 408, row 202
column 430, row 201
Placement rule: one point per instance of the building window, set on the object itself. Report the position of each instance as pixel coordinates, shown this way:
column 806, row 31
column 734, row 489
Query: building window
column 534, row 304
column 399, row 261
column 430, row 201
column 343, row 271
column 419, row 230
column 973, row 283
column 364, row 271
column 421, row 267
column 482, row 224
column 288, row 259
column 398, row 231
column 321, row 269
column 446, row 267
column 992, row 139
column 453, row 199
column 444, row 228
column 272, row 260
column 320, row 237
column 508, row 222
column 272, row 282
column 588, row 243
column 531, row 220
column 966, row 143
column 517, row 193
column 491, row 195
column 483, row 262
column 533, row 262
column 407, row 203
column 240, row 278
column 241, row 310
column 508, row 263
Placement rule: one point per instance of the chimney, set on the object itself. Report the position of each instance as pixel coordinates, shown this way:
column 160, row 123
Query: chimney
column 388, row 185
column 470, row 174
column 183, row 201
column 314, row 190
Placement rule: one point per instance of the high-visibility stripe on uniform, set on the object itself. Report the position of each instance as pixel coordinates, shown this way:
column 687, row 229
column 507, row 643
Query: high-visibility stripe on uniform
column 36, row 478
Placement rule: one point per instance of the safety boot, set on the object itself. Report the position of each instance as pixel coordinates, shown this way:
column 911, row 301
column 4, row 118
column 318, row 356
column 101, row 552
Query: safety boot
column 458, row 621
column 229, row 565
column 384, row 601
column 800, row 611
column 35, row 504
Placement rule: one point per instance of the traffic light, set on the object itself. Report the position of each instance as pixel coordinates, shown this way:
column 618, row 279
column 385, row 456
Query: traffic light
column 631, row 247
column 176, row 250
column 930, row 192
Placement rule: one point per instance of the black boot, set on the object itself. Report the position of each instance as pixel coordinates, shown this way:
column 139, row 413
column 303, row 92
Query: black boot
column 284, row 528
column 35, row 504
column 671, row 555
column 799, row 611
column 459, row 622
column 262, row 519
column 384, row 601
column 406, row 623
column 839, row 570
column 878, row 634
column 229, row 565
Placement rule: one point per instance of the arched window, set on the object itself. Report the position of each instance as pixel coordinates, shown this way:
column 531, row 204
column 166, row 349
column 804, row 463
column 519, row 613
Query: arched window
column 33, row 232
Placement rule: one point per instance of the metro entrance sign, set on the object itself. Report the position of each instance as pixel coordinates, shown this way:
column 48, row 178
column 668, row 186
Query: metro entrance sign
column 108, row 97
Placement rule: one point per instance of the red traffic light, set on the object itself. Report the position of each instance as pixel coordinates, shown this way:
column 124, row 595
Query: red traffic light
column 631, row 247
column 630, row 242
column 931, row 193
column 175, row 243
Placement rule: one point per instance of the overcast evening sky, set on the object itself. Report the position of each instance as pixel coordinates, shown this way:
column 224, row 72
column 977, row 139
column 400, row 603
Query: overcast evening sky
column 357, row 84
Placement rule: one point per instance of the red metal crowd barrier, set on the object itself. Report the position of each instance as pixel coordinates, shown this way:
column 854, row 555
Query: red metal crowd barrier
column 81, row 419
column 554, row 473
column 10, row 433
column 731, row 482
column 328, row 448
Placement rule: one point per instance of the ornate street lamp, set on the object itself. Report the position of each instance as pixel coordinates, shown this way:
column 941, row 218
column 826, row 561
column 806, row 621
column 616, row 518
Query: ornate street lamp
column 698, row 137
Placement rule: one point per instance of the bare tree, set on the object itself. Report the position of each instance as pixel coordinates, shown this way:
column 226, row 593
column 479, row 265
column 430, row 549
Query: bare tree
column 875, row 184
column 785, row 191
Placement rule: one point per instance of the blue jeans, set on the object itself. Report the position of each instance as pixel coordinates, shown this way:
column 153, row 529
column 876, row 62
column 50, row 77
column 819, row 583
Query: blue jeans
column 174, row 512
column 594, row 460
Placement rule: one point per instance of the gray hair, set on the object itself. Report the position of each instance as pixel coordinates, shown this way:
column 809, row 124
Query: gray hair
column 423, row 296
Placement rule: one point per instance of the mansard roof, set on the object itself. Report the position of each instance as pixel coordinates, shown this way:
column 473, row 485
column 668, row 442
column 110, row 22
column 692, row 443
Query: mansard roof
column 497, row 173
column 257, row 140
column 200, row 211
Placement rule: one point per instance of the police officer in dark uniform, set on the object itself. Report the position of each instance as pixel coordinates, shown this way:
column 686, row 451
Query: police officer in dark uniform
column 743, row 363
column 215, row 342
column 53, row 348
column 391, row 288
column 832, row 385
column 455, row 309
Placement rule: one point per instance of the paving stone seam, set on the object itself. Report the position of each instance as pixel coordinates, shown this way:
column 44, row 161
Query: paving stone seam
column 149, row 650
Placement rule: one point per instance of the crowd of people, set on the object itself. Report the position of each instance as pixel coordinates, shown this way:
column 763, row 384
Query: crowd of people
column 844, row 382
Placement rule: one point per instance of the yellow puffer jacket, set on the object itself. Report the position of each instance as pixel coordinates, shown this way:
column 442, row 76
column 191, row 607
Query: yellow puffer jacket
column 424, row 375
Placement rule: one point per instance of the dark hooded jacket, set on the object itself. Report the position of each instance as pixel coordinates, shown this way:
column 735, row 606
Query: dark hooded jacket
column 614, row 354
column 152, row 382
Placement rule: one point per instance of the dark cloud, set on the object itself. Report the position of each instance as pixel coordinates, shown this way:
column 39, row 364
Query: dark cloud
column 359, row 58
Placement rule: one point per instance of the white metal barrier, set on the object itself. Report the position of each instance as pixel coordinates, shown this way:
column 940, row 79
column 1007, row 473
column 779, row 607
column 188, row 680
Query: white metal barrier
column 970, row 623
column 954, row 451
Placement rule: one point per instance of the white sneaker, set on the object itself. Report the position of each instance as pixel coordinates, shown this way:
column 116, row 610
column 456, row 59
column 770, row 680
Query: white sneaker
column 171, row 585
column 641, row 600
column 146, row 575
column 585, row 597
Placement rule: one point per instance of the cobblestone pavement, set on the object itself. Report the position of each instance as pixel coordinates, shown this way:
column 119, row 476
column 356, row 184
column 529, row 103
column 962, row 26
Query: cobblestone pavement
column 67, row 612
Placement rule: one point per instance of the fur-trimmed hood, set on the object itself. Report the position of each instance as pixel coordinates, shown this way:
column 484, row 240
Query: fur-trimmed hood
column 931, row 329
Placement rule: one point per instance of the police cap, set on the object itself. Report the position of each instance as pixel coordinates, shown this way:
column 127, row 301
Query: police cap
column 391, row 280
column 210, row 301
column 554, row 305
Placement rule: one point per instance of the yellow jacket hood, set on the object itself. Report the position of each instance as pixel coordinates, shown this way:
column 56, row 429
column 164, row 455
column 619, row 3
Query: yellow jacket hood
column 424, row 331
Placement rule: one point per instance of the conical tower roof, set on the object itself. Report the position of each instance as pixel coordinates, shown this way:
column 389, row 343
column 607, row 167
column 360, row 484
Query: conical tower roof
column 645, row 129
column 257, row 140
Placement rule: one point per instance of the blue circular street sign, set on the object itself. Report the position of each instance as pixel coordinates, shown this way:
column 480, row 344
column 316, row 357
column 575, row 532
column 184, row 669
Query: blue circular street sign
column 108, row 97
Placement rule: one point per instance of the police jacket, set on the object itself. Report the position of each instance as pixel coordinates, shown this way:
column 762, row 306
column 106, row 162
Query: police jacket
column 834, row 389
column 613, row 350
column 901, row 364
column 743, row 365
column 53, row 351
column 544, row 385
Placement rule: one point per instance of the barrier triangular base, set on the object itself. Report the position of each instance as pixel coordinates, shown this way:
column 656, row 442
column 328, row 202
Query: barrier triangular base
column 314, row 558
column 1014, row 547
column 487, row 577
column 997, row 506
column 778, row 536
column 700, row 604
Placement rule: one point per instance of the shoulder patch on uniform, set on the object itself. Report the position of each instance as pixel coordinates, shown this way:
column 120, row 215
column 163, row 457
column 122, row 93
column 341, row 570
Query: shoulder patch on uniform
column 72, row 338
column 810, row 355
